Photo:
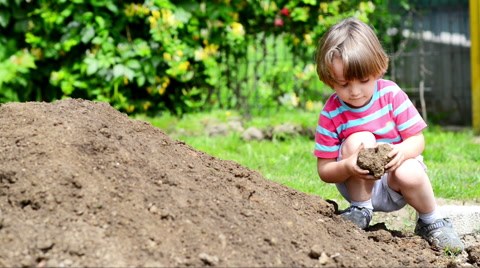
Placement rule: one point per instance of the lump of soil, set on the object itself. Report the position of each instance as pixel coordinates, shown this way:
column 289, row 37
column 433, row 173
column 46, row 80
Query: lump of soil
column 374, row 159
column 82, row 184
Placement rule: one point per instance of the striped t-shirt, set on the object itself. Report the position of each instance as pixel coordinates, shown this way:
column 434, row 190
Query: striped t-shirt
column 390, row 116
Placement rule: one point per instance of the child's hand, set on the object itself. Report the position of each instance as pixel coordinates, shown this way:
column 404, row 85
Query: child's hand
column 355, row 170
column 398, row 158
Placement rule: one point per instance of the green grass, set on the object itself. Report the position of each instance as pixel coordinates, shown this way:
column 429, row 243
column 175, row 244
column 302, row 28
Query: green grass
column 453, row 158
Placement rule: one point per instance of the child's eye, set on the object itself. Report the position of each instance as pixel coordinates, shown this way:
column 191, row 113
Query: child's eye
column 365, row 81
column 344, row 85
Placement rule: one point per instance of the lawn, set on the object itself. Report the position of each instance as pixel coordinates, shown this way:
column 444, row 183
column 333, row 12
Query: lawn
column 452, row 157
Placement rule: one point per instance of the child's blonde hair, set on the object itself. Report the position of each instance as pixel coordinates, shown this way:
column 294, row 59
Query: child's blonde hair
column 355, row 43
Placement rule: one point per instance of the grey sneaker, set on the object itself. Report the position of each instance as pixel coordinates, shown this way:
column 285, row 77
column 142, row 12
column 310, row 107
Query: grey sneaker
column 359, row 216
column 440, row 235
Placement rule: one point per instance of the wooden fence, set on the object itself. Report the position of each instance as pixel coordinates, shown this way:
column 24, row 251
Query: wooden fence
column 432, row 60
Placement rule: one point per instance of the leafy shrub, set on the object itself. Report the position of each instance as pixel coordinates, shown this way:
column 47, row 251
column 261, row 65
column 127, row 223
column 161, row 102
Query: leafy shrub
column 158, row 55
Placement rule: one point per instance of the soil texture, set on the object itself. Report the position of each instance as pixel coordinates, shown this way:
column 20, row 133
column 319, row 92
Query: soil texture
column 82, row 184
column 374, row 159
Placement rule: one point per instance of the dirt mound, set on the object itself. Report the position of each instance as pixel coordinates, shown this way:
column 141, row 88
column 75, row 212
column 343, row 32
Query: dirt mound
column 82, row 184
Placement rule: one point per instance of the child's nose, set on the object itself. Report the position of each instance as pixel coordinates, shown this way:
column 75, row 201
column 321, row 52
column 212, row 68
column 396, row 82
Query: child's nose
column 355, row 90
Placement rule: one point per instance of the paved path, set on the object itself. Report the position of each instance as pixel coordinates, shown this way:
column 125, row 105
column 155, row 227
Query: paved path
column 465, row 219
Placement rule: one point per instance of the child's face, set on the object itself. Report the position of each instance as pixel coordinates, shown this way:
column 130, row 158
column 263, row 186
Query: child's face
column 354, row 93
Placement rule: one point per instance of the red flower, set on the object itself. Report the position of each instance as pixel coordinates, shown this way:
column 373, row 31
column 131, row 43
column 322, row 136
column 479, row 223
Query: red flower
column 285, row 12
column 278, row 22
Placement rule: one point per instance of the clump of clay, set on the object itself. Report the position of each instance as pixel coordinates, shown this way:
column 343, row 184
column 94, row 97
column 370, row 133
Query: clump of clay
column 374, row 159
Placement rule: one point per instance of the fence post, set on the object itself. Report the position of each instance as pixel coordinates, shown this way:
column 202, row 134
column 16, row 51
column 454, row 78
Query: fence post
column 475, row 62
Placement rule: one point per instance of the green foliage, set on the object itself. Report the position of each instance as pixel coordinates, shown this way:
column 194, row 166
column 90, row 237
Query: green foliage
column 161, row 55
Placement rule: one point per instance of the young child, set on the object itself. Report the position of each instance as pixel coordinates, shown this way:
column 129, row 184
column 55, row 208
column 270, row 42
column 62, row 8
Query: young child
column 366, row 110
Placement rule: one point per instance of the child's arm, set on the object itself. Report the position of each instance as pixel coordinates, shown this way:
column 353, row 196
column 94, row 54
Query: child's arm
column 332, row 171
column 409, row 148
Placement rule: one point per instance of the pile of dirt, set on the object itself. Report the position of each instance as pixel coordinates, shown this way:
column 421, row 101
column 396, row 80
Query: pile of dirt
column 82, row 184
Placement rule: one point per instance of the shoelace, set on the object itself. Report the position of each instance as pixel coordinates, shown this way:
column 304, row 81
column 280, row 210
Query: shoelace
column 435, row 225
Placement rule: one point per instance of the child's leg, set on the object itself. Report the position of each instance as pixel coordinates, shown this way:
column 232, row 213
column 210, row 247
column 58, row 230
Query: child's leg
column 358, row 189
column 413, row 183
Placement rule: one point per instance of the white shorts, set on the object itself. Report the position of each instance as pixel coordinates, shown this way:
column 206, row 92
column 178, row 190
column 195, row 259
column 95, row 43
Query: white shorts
column 383, row 197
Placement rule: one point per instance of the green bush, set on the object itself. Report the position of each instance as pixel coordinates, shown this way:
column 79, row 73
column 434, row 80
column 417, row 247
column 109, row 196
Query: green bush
column 160, row 55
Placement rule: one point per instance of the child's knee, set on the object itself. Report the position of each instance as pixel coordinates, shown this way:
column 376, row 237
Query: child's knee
column 411, row 174
column 351, row 144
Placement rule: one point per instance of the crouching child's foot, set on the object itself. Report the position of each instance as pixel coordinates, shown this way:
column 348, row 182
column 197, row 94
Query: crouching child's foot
column 441, row 235
column 359, row 216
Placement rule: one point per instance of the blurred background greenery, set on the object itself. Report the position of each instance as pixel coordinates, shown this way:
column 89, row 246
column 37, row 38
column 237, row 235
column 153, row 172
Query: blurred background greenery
column 181, row 56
